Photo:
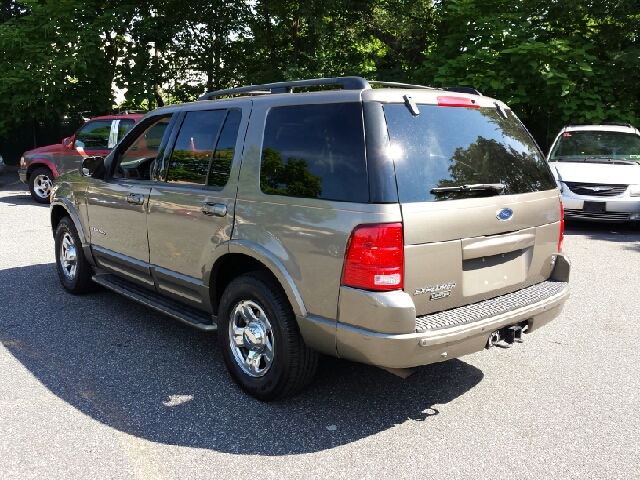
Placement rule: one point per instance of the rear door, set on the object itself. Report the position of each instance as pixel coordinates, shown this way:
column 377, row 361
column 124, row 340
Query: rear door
column 191, row 207
column 479, row 204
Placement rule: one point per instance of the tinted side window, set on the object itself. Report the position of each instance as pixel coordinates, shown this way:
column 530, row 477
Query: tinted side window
column 123, row 127
column 315, row 151
column 137, row 159
column 118, row 130
column 194, row 147
column 223, row 156
column 94, row 135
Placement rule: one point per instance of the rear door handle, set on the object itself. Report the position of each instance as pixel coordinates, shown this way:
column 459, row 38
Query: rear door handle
column 217, row 209
column 135, row 199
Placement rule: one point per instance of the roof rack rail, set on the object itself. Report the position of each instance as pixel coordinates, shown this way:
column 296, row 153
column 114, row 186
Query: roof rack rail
column 459, row 89
column 348, row 83
column 400, row 85
column 619, row 124
column 131, row 112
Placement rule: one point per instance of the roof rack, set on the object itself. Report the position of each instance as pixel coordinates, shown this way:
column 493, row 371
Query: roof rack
column 619, row 124
column 400, row 85
column 347, row 83
column 459, row 89
column 131, row 112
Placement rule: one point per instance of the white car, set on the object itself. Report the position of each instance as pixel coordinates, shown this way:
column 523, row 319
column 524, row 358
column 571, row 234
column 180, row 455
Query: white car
column 597, row 168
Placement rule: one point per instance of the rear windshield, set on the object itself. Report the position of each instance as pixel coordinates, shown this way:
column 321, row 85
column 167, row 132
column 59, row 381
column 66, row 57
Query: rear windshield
column 590, row 144
column 454, row 146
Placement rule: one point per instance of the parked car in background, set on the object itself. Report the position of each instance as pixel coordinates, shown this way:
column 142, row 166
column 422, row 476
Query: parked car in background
column 597, row 168
column 41, row 166
column 392, row 226
column 2, row 165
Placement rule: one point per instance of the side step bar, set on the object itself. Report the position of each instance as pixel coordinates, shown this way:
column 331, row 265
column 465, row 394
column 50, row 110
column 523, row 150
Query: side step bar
column 185, row 314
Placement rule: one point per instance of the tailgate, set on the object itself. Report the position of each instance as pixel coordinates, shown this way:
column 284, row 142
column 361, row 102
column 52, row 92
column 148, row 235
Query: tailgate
column 480, row 206
column 487, row 256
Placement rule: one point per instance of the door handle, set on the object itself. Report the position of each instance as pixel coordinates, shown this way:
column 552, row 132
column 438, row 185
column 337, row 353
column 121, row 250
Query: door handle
column 135, row 199
column 217, row 209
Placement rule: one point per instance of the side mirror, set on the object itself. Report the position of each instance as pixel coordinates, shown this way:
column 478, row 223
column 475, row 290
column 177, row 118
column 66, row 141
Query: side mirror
column 92, row 166
column 67, row 142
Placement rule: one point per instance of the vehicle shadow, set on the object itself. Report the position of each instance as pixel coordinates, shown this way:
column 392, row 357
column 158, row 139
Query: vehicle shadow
column 149, row 376
column 627, row 233
column 21, row 199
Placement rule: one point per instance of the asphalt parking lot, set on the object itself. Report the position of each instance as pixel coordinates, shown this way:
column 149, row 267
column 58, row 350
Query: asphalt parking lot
column 102, row 387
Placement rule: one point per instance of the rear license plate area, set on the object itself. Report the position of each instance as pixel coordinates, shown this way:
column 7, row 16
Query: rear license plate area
column 595, row 207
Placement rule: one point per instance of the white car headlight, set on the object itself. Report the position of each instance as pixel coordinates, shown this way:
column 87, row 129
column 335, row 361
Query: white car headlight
column 560, row 185
column 634, row 190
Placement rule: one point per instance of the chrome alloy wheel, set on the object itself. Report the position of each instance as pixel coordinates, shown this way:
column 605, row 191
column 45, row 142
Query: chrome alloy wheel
column 68, row 257
column 42, row 186
column 251, row 338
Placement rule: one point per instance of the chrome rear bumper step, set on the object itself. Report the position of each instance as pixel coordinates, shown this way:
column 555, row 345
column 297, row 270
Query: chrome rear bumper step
column 489, row 308
column 185, row 314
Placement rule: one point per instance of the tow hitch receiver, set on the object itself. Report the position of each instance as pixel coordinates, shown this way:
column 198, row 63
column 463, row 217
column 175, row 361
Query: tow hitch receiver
column 509, row 334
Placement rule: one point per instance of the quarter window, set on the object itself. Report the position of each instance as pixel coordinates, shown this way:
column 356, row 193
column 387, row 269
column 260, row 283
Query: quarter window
column 315, row 151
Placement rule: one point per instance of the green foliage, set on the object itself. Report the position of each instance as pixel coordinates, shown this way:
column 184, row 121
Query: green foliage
column 553, row 62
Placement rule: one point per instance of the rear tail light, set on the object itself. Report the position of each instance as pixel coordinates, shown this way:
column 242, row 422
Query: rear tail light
column 561, row 237
column 375, row 258
column 450, row 101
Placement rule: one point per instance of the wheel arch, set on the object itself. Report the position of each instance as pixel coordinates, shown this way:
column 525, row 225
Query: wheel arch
column 61, row 209
column 243, row 257
column 42, row 162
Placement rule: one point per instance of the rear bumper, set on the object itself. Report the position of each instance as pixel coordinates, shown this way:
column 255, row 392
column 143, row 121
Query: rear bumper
column 410, row 350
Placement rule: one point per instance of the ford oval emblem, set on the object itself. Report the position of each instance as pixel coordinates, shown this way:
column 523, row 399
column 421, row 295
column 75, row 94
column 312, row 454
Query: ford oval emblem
column 504, row 214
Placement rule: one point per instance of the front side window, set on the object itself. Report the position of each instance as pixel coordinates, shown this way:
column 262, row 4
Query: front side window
column 138, row 158
column 584, row 145
column 315, row 151
column 445, row 147
column 194, row 147
column 94, row 134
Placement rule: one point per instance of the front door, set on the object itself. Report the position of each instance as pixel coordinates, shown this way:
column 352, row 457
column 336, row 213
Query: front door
column 117, row 206
column 191, row 212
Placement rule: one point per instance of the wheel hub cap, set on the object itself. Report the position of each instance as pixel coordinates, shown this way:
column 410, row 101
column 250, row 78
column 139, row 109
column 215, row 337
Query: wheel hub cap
column 251, row 338
column 68, row 256
column 42, row 186
column 254, row 337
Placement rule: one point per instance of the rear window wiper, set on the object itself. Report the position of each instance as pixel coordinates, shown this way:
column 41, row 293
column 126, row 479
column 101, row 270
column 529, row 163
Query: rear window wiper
column 497, row 187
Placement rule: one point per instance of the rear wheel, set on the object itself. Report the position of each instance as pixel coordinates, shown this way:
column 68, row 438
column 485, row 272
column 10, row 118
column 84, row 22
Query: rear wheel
column 260, row 340
column 40, row 184
column 74, row 270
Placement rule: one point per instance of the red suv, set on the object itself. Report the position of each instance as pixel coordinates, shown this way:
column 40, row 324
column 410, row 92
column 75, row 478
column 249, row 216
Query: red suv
column 40, row 166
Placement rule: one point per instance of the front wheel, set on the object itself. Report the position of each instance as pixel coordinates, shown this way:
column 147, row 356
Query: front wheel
column 40, row 184
column 260, row 339
column 74, row 270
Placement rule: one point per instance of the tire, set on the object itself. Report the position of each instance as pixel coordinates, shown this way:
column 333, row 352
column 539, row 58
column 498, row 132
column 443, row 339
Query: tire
column 267, row 356
column 74, row 270
column 40, row 183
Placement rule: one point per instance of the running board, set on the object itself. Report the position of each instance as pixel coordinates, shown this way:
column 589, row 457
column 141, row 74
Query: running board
column 185, row 314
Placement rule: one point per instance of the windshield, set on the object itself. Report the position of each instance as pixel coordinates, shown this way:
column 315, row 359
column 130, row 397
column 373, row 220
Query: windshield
column 593, row 144
column 446, row 147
